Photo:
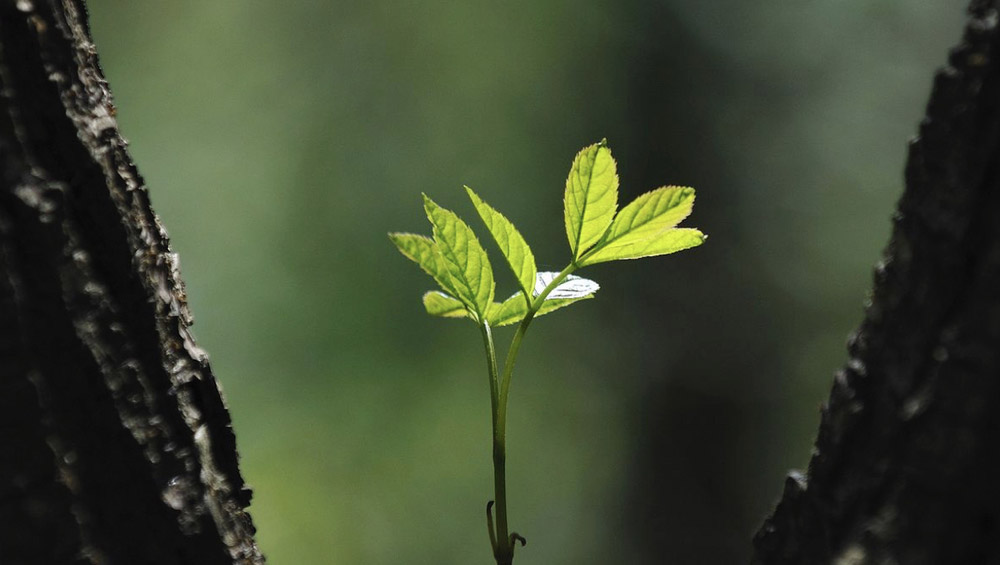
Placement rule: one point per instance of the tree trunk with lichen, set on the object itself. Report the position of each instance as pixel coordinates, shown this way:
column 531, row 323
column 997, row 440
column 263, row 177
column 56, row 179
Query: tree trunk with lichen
column 115, row 442
column 906, row 463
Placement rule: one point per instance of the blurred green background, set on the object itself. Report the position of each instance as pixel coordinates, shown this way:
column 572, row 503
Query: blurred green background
column 282, row 140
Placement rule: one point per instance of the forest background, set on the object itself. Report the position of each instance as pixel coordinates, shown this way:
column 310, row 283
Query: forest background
column 281, row 141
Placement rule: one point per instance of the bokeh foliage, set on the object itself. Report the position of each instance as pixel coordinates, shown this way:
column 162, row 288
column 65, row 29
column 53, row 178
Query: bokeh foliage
column 282, row 140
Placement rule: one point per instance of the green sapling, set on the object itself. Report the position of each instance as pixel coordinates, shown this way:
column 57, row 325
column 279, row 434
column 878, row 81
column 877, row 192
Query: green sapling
column 597, row 232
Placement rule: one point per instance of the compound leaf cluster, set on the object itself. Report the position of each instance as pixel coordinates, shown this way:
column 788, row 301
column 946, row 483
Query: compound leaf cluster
column 596, row 230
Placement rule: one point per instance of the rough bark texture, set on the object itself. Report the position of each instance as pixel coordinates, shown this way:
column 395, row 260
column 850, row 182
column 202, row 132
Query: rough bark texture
column 115, row 443
column 906, row 462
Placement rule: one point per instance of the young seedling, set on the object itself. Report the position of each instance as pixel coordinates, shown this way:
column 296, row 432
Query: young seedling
column 457, row 262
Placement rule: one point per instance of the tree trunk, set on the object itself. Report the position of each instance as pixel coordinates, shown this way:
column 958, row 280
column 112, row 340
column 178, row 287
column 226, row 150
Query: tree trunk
column 116, row 443
column 907, row 459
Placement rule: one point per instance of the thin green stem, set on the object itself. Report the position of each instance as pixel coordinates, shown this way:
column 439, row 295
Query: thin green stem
column 504, row 551
column 515, row 344
column 501, row 544
column 499, row 389
column 491, row 363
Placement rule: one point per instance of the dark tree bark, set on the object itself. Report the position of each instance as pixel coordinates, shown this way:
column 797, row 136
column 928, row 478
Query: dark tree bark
column 907, row 460
column 115, row 443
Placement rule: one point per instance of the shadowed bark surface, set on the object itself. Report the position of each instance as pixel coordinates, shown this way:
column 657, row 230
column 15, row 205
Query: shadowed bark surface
column 908, row 452
column 116, row 443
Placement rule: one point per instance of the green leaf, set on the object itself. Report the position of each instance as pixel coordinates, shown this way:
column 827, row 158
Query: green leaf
column 571, row 290
column 440, row 304
column 513, row 310
column 646, row 227
column 591, row 197
column 464, row 259
column 669, row 241
column 508, row 312
column 649, row 215
column 511, row 243
column 423, row 251
column 571, row 287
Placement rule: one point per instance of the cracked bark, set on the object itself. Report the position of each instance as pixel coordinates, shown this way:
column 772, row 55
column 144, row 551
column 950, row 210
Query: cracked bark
column 116, row 443
column 907, row 457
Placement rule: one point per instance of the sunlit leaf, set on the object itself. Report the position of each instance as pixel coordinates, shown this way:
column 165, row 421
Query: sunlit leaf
column 511, row 243
column 508, row 312
column 464, row 258
column 572, row 287
column 591, row 197
column 423, row 251
column 440, row 304
column 553, row 304
column 513, row 310
column 649, row 215
column 670, row 241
